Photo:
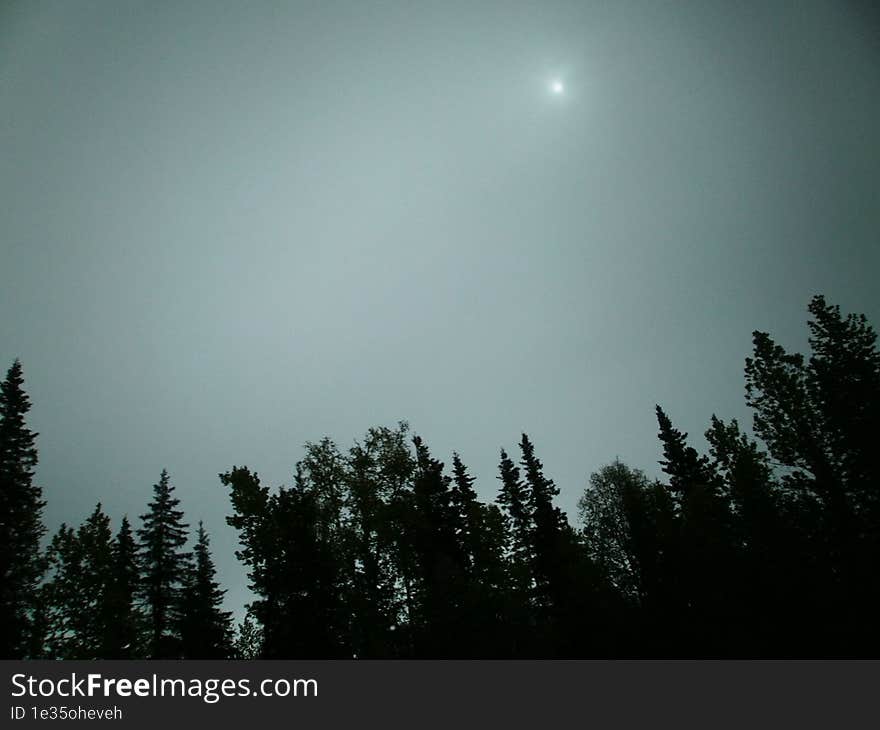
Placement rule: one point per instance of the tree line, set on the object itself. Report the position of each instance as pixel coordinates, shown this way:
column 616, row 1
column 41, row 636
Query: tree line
column 766, row 545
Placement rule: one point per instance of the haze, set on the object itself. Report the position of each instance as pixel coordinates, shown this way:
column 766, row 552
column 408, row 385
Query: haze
column 229, row 228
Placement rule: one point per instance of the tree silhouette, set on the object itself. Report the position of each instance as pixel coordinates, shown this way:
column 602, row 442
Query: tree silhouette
column 819, row 420
column 124, row 635
column 702, row 549
column 205, row 628
column 21, row 527
column 482, row 540
column 248, row 640
column 77, row 595
column 164, row 568
column 764, row 546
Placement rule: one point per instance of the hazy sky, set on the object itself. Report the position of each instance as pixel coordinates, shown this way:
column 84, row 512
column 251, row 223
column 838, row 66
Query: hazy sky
column 229, row 228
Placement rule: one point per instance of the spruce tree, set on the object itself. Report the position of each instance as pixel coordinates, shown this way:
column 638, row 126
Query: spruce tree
column 466, row 511
column 559, row 564
column 441, row 563
column 21, row 527
column 205, row 629
column 125, row 633
column 61, row 597
column 514, row 500
column 819, row 419
column 482, row 542
column 77, row 592
column 705, row 551
column 164, row 566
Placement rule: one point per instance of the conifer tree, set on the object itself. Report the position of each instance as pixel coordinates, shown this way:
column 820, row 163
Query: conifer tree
column 125, row 633
column 206, row 629
column 561, row 571
column 482, row 542
column 549, row 521
column 61, row 597
column 441, row 563
column 21, row 527
column 514, row 500
column 164, row 567
column 819, row 419
column 704, row 552
column 77, row 592
column 467, row 513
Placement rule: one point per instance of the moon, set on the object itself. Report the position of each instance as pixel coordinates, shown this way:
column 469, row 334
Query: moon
column 557, row 87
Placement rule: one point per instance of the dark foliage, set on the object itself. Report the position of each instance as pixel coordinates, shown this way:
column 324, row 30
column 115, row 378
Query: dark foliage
column 21, row 507
column 164, row 566
column 764, row 546
column 205, row 628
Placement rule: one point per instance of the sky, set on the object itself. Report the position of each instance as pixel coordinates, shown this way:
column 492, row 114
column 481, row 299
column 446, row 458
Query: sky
column 227, row 229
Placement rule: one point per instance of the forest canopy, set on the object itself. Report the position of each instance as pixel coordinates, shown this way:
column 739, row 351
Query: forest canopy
column 765, row 545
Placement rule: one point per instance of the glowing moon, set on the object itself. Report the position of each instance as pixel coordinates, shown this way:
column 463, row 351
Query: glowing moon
column 557, row 87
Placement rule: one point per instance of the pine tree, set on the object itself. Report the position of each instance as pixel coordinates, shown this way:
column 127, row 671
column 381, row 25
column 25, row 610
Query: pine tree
column 21, row 527
column 164, row 567
column 77, row 592
column 482, row 542
column 124, row 637
column 549, row 520
column 467, row 513
column 63, row 602
column 820, row 421
column 843, row 379
column 704, row 551
column 686, row 468
column 96, row 544
column 441, row 563
column 561, row 571
column 206, row 629
column 514, row 500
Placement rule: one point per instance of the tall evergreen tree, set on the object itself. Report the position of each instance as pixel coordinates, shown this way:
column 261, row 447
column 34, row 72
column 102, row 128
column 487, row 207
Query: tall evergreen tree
column 564, row 580
column 819, row 419
column 704, row 551
column 514, row 500
column 77, row 592
column 21, row 509
column 482, row 543
column 206, row 629
column 164, row 567
column 124, row 636
column 549, row 521
column 467, row 513
column 441, row 562
column 64, row 604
